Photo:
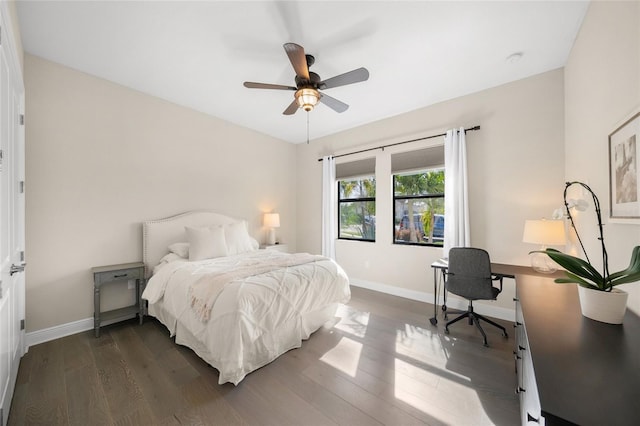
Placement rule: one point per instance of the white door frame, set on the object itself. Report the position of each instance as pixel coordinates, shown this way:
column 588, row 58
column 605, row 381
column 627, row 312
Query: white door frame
column 12, row 213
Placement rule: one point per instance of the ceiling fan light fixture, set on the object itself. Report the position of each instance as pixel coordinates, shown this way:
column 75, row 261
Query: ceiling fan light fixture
column 307, row 98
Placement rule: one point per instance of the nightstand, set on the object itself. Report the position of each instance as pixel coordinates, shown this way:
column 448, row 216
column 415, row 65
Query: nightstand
column 279, row 247
column 116, row 273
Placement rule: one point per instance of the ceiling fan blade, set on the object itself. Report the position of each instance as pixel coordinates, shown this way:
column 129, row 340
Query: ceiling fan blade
column 296, row 55
column 333, row 103
column 355, row 76
column 291, row 109
column 252, row 85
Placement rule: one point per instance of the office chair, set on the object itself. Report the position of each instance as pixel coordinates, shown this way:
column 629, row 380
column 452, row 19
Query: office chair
column 469, row 276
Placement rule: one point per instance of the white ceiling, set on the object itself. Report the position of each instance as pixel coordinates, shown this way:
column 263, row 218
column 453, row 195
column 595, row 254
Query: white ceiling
column 198, row 54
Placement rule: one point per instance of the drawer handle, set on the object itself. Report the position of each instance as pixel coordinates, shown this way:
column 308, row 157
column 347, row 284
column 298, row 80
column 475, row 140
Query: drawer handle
column 519, row 389
column 530, row 418
column 120, row 276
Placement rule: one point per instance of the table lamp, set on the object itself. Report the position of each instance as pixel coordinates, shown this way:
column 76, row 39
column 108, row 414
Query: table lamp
column 272, row 221
column 546, row 233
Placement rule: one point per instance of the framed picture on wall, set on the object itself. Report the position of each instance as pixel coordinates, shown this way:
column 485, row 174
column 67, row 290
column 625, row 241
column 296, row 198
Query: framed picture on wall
column 624, row 177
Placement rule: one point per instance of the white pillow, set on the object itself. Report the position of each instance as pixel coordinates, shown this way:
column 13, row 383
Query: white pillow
column 238, row 239
column 206, row 243
column 170, row 257
column 181, row 249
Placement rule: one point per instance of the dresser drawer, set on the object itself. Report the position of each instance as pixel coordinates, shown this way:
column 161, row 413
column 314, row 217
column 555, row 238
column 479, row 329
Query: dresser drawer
column 118, row 275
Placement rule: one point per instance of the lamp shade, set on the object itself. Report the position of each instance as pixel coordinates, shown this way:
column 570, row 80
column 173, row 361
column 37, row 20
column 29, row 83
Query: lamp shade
column 544, row 232
column 272, row 220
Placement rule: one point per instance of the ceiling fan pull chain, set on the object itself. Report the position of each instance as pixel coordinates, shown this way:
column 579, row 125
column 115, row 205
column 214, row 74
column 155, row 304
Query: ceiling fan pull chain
column 307, row 127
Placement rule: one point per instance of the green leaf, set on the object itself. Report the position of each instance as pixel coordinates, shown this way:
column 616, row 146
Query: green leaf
column 577, row 266
column 584, row 274
column 574, row 279
column 631, row 274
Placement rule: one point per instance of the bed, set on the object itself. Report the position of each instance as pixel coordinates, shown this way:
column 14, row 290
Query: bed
column 236, row 306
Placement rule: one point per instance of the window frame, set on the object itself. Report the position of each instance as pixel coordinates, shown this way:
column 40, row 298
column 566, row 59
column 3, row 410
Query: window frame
column 396, row 198
column 354, row 200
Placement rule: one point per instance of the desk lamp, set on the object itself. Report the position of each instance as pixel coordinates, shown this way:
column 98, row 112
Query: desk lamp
column 546, row 233
column 272, row 221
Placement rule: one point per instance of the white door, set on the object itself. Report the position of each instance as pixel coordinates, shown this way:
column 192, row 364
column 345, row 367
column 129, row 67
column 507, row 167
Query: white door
column 12, row 281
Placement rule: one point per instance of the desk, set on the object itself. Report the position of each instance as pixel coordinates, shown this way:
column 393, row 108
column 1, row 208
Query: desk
column 571, row 370
column 586, row 372
column 502, row 270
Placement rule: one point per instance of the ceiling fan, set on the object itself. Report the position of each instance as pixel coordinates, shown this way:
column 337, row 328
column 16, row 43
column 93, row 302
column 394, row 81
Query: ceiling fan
column 308, row 84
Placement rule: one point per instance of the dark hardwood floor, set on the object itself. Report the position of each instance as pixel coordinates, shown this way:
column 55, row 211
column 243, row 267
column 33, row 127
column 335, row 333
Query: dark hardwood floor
column 381, row 363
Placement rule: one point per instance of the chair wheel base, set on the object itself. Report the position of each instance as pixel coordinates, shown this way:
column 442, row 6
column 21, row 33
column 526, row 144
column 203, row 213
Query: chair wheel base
column 474, row 319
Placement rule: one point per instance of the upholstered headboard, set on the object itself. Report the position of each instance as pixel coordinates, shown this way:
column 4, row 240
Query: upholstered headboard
column 158, row 234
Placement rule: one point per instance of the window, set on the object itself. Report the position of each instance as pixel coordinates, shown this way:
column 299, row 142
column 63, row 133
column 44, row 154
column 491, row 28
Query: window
column 418, row 207
column 357, row 208
column 357, row 199
column 418, row 196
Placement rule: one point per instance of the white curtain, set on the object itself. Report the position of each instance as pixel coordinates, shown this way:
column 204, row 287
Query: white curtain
column 328, row 207
column 456, row 201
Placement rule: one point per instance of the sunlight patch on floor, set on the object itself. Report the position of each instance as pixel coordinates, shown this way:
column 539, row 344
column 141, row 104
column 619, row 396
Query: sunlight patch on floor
column 421, row 388
column 422, row 359
column 421, row 344
column 404, row 369
column 353, row 322
column 345, row 356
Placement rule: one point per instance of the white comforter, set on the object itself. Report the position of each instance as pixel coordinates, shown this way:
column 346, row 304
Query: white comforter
column 254, row 319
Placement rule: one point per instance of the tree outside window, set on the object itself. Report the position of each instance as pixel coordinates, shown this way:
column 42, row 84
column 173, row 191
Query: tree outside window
column 357, row 209
column 419, row 207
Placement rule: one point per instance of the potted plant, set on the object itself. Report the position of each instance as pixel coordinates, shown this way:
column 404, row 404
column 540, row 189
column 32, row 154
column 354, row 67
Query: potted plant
column 599, row 299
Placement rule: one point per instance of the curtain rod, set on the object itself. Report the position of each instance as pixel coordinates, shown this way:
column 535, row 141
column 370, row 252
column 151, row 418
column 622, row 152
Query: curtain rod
column 400, row 143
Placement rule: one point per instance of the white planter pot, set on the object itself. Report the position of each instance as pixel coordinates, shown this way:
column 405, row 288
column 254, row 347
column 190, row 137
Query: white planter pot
column 603, row 306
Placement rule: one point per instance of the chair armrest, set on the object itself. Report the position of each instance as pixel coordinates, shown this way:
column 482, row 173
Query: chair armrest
column 498, row 278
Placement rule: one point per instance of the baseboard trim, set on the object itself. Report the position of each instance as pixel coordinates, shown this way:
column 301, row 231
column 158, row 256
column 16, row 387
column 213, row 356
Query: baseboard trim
column 63, row 330
column 47, row 334
column 420, row 296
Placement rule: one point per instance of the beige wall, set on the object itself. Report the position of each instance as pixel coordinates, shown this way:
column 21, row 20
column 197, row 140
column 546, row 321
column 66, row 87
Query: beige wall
column 516, row 172
column 602, row 90
column 102, row 158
